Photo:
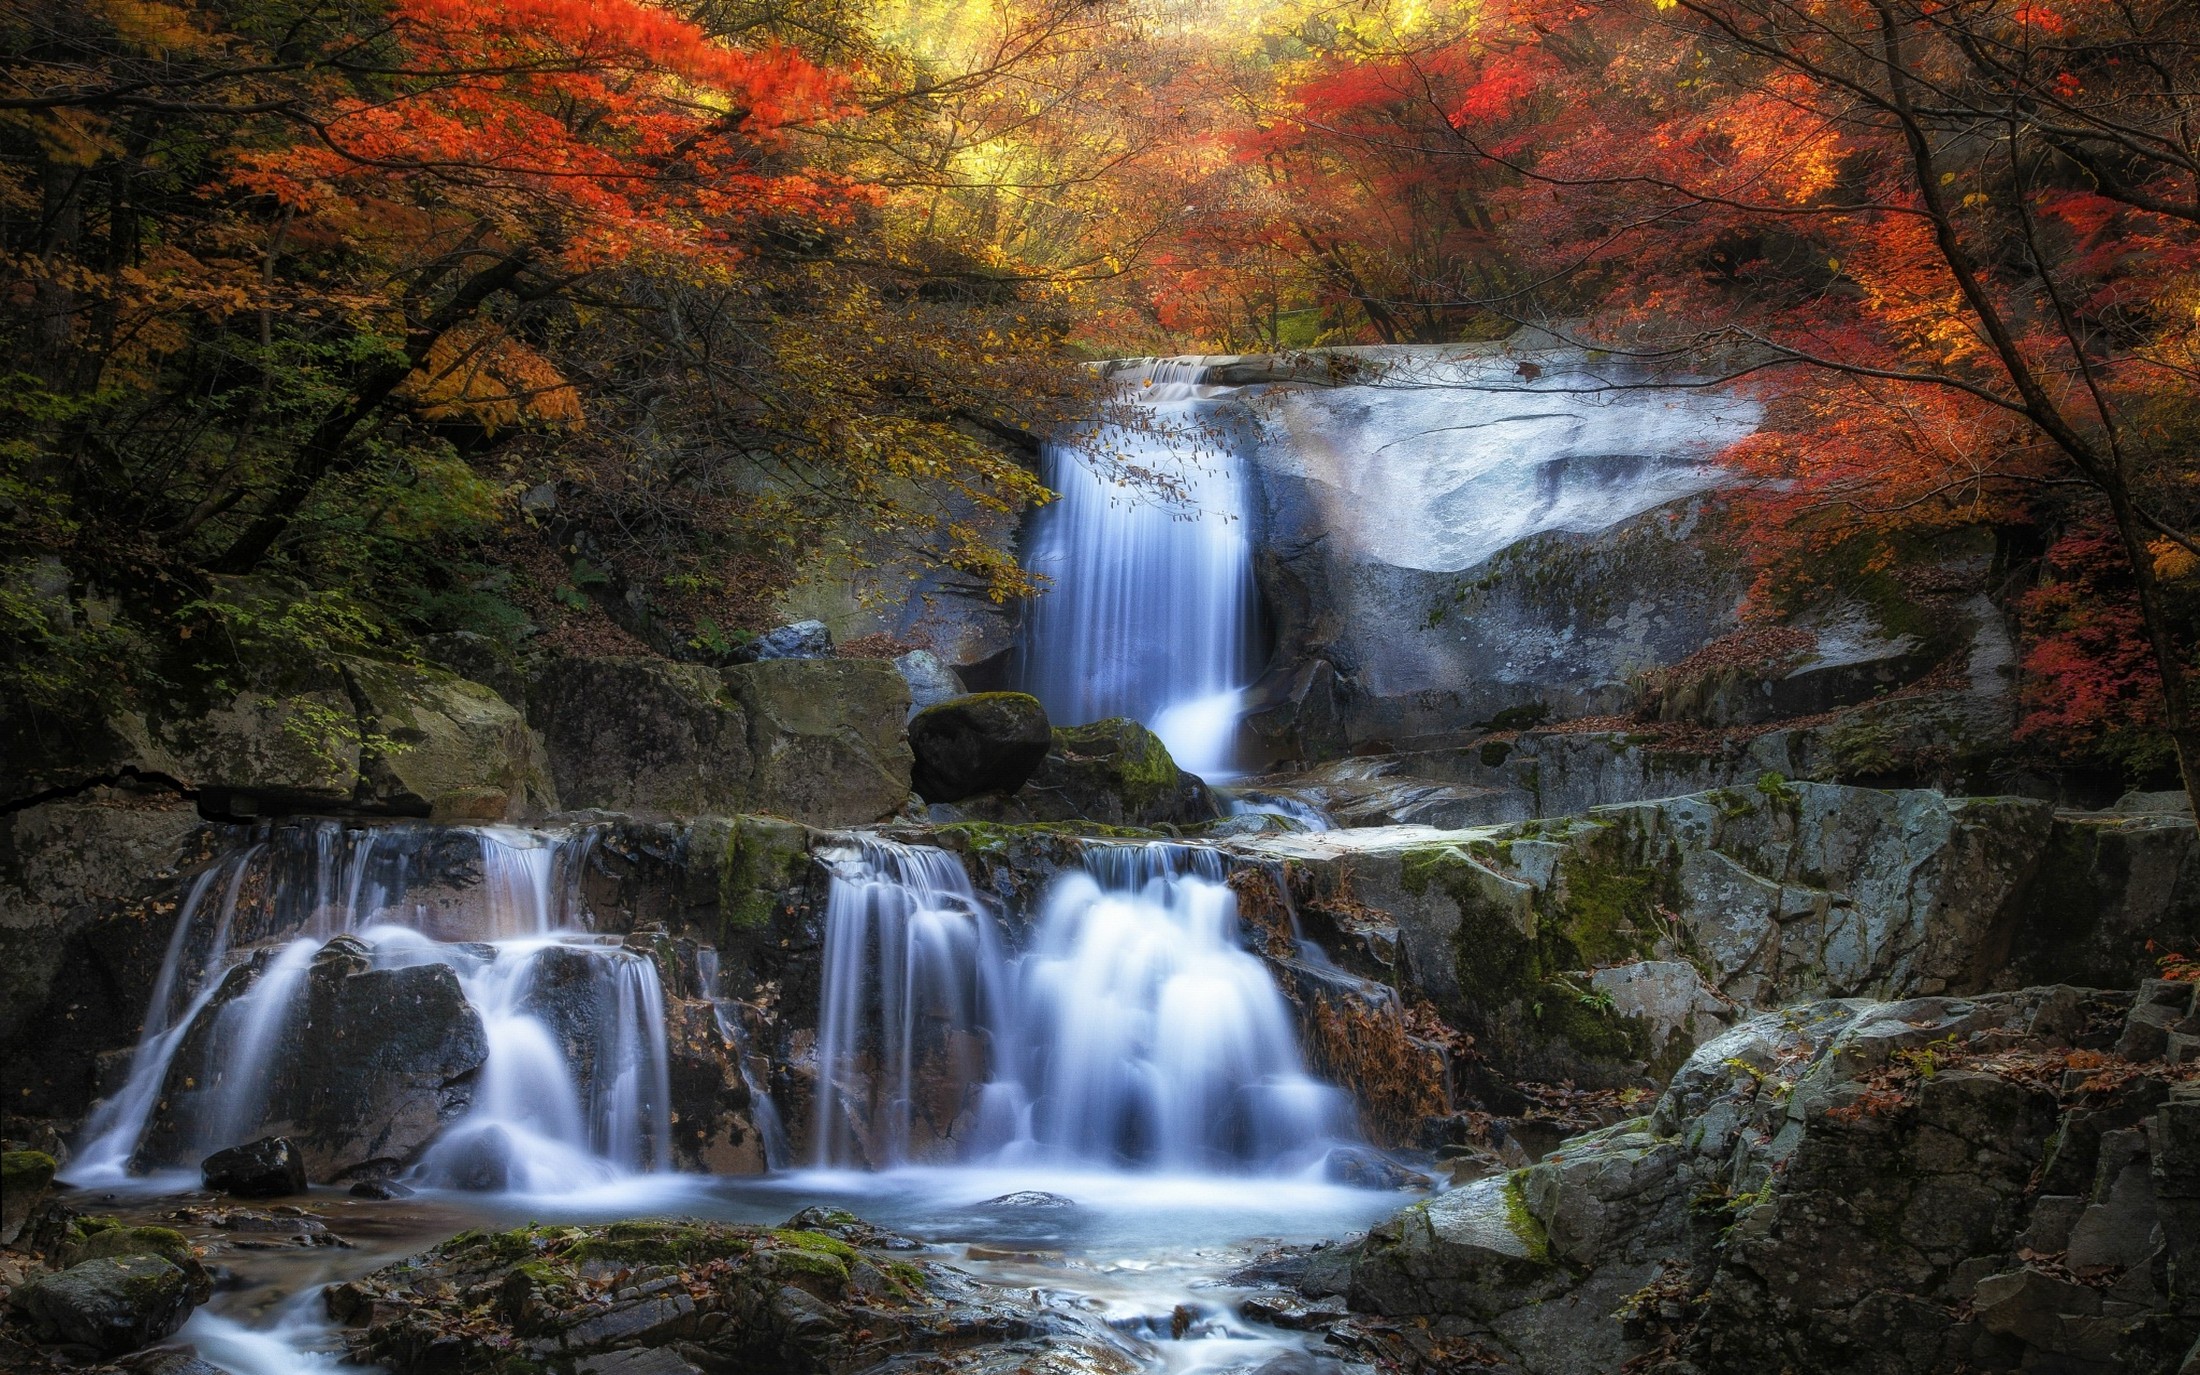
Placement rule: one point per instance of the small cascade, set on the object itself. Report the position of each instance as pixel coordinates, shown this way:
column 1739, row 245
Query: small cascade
column 911, row 963
column 533, row 1129
column 1152, row 609
column 1142, row 1031
column 1137, row 1030
column 575, row 1088
column 763, row 1112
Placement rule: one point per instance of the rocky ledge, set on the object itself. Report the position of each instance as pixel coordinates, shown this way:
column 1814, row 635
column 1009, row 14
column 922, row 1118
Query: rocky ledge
column 2003, row 1183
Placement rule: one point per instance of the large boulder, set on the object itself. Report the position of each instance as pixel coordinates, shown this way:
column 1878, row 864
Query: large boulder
column 821, row 741
column 267, row 1168
column 112, row 1304
column 641, row 735
column 448, row 741
column 378, row 1061
column 828, row 738
column 988, row 742
column 1116, row 772
column 1894, row 1188
column 87, row 899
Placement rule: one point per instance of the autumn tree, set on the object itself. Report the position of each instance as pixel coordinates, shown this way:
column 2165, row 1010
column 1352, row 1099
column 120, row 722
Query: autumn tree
column 1951, row 245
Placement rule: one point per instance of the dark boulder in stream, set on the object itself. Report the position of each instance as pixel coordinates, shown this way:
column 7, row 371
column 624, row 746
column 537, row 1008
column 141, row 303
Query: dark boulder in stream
column 375, row 1062
column 987, row 742
column 112, row 1304
column 267, row 1168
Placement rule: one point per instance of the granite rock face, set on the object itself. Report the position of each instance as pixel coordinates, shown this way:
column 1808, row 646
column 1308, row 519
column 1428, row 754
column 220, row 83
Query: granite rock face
column 1842, row 1186
column 1605, row 947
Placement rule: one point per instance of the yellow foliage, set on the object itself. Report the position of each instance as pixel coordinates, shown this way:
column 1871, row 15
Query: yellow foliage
column 485, row 375
column 2172, row 562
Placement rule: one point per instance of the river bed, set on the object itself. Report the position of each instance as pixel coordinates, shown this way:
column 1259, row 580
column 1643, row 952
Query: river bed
column 1151, row 1256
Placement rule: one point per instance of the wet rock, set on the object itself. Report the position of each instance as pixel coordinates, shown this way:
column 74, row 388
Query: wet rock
column 800, row 640
column 479, row 1162
column 387, row 1060
column 382, row 1190
column 270, row 1167
column 112, row 1304
column 82, row 881
column 717, row 1296
column 1292, row 1311
column 1029, row 1198
column 1116, row 772
column 990, row 742
column 115, row 1242
column 1365, row 1169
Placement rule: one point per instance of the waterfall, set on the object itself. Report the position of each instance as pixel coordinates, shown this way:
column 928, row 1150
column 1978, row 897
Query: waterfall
column 1152, row 606
column 911, row 963
column 1136, row 1030
column 531, row 1126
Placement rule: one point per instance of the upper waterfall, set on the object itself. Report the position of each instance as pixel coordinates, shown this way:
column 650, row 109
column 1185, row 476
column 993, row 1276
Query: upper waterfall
column 1152, row 607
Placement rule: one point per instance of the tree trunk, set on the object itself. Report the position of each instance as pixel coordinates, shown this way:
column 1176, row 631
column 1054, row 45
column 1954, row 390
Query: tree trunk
column 323, row 450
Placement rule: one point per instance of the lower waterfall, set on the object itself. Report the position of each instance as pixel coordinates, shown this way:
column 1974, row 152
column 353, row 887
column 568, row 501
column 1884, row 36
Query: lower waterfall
column 232, row 1004
column 1134, row 1030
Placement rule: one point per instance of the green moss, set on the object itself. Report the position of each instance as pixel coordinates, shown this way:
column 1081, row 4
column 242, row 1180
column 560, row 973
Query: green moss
column 1495, row 752
column 1608, row 911
column 1523, row 1222
column 661, row 1243
column 764, row 856
column 1730, row 804
column 906, row 1277
column 1139, row 766
column 115, row 1242
column 831, row 1269
column 24, row 1173
column 1585, row 1020
column 814, row 1241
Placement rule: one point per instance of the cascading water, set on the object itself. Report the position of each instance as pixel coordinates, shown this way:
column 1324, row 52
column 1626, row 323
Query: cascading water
column 911, row 970
column 532, row 1125
column 1141, row 1031
column 1151, row 610
column 1136, row 1029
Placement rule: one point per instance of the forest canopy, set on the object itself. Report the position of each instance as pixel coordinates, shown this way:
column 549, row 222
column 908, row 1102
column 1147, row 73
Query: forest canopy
column 600, row 325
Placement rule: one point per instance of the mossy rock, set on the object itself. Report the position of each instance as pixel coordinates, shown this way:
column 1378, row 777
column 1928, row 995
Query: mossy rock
column 24, row 1178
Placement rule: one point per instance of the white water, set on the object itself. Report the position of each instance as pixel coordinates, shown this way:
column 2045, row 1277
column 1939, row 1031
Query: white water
column 530, row 1127
column 1152, row 604
column 910, row 954
column 1135, row 1031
